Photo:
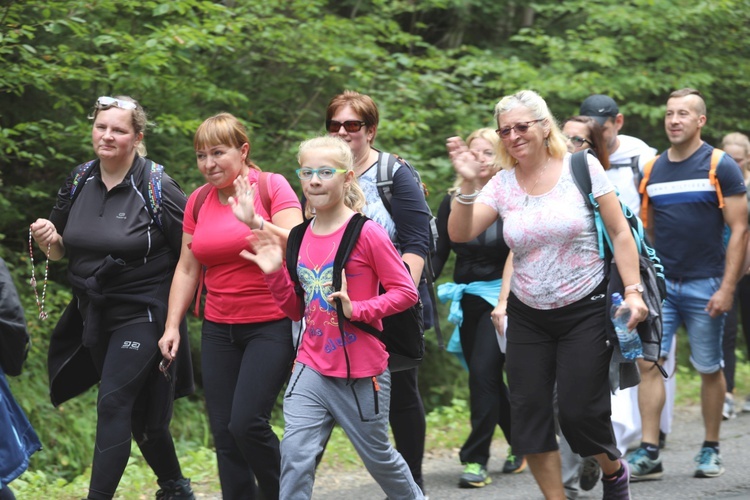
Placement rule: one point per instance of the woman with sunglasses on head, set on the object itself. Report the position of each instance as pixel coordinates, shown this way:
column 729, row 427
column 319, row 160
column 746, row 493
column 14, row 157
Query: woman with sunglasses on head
column 350, row 386
column 246, row 341
column 121, row 261
column 478, row 275
column 556, row 307
column 354, row 118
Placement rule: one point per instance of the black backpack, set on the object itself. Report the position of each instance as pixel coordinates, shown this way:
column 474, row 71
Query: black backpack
column 403, row 333
column 651, row 270
column 151, row 192
column 384, row 183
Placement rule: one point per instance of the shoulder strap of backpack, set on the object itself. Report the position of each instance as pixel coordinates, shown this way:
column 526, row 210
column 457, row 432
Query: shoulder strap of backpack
column 265, row 196
column 80, row 174
column 384, row 177
column 151, row 191
column 200, row 200
column 348, row 241
column 642, row 189
column 716, row 156
column 293, row 245
column 579, row 168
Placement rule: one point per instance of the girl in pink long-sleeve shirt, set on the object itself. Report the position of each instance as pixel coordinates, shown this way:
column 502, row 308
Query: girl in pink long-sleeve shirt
column 318, row 394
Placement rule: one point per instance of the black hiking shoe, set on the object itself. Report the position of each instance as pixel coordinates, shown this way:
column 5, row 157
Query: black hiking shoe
column 175, row 489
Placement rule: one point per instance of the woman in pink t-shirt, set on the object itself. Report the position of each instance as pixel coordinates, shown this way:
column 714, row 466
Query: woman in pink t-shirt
column 325, row 388
column 246, row 342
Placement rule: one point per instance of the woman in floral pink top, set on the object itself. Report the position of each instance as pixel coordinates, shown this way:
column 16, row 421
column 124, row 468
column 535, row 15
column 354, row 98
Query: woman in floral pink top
column 556, row 308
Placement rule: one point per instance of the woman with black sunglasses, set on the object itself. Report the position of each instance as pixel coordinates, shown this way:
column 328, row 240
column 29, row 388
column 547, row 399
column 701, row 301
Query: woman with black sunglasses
column 354, row 117
column 122, row 247
column 556, row 309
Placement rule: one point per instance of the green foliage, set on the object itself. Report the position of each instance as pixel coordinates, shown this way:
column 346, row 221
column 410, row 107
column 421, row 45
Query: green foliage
column 435, row 67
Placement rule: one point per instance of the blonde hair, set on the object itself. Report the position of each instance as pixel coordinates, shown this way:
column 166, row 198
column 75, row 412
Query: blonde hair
column 139, row 120
column 738, row 139
column 488, row 135
column 223, row 129
column 555, row 141
column 342, row 157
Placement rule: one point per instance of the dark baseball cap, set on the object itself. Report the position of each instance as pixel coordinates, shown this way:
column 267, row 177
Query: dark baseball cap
column 600, row 107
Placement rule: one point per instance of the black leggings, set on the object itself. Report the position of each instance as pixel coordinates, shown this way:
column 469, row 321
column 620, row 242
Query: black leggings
column 6, row 493
column 136, row 399
column 741, row 304
column 490, row 400
column 244, row 368
column 568, row 345
column 407, row 419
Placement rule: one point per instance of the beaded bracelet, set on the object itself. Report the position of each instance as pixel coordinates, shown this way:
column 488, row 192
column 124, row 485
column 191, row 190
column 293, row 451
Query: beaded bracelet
column 467, row 197
column 462, row 202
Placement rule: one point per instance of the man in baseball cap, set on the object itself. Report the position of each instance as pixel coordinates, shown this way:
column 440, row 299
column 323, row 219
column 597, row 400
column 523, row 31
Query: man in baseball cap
column 601, row 108
column 627, row 154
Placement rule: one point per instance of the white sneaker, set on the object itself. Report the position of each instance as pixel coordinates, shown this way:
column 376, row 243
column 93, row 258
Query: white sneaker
column 729, row 411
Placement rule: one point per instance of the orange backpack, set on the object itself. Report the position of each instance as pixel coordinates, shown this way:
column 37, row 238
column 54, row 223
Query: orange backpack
column 716, row 156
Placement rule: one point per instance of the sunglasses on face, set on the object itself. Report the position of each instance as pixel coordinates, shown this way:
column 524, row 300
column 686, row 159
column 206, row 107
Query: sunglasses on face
column 324, row 173
column 105, row 102
column 520, row 128
column 578, row 141
column 349, row 125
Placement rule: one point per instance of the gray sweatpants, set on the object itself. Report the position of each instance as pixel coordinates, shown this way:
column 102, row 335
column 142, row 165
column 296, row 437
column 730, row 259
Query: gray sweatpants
column 312, row 404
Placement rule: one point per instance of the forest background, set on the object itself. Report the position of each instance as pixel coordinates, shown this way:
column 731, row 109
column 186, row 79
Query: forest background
column 435, row 67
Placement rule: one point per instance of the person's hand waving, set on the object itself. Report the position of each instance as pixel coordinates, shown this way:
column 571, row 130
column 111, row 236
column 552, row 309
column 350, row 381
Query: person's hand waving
column 268, row 256
column 242, row 203
column 464, row 162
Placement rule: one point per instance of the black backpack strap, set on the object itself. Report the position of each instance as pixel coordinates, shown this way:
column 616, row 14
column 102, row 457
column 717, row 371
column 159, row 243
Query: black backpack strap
column 579, row 168
column 430, row 277
column 293, row 245
column 348, row 240
column 384, row 178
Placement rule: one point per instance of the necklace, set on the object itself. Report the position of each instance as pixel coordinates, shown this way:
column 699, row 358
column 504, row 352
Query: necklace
column 39, row 304
column 526, row 200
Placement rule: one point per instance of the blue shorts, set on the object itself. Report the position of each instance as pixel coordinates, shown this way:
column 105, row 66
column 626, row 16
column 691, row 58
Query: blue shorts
column 686, row 303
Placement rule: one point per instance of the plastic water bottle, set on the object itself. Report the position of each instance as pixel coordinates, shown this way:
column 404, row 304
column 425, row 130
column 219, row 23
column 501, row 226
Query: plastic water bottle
column 630, row 342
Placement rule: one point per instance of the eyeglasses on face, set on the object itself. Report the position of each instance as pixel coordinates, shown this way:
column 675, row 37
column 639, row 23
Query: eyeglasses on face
column 520, row 128
column 578, row 141
column 106, row 102
column 324, row 173
column 349, row 125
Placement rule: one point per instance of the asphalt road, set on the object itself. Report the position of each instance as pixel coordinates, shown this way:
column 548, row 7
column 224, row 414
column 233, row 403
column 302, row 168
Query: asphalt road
column 441, row 472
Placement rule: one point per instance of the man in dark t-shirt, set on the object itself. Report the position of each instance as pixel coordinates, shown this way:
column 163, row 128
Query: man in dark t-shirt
column 688, row 220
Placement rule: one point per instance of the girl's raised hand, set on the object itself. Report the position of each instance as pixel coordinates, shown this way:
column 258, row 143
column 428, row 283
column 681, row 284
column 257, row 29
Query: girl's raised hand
column 269, row 255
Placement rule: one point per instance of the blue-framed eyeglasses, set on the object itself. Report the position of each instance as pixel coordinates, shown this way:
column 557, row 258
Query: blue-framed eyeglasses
column 324, row 173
